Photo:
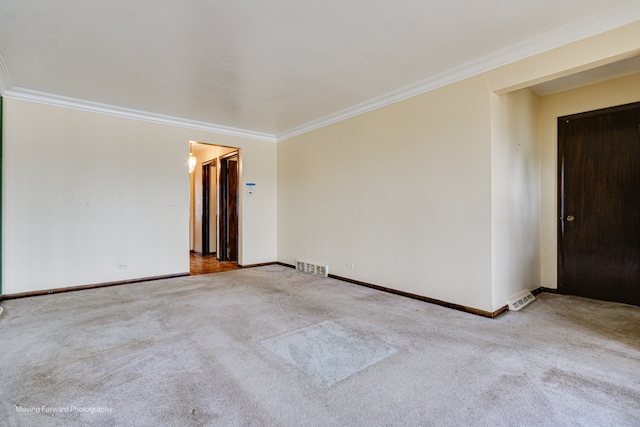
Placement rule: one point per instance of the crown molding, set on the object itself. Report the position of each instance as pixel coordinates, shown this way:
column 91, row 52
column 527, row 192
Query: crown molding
column 616, row 17
column 128, row 113
column 5, row 78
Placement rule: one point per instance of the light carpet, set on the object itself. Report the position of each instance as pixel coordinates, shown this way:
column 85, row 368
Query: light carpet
column 260, row 347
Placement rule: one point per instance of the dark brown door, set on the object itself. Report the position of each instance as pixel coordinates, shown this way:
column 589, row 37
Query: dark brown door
column 599, row 203
column 208, row 207
column 228, row 220
column 232, row 218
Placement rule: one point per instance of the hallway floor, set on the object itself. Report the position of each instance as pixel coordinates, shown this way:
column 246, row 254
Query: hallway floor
column 209, row 264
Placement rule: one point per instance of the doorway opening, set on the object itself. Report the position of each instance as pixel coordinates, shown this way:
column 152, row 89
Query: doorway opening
column 214, row 225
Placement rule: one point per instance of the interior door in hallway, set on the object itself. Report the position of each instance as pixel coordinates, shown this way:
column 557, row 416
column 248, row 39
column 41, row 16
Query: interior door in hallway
column 599, row 204
column 228, row 205
column 209, row 209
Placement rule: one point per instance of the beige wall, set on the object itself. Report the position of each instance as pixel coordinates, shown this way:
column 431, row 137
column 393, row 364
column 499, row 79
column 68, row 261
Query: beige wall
column 84, row 192
column 402, row 192
column 623, row 90
column 581, row 55
column 444, row 195
column 515, row 195
column 434, row 195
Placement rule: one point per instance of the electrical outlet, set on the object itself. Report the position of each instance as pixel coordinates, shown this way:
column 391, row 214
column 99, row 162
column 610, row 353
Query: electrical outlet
column 351, row 266
column 123, row 266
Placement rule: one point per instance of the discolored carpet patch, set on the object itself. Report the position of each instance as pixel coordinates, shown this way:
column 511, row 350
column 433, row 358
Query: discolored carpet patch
column 329, row 352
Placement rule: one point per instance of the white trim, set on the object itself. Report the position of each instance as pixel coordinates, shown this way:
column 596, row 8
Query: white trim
column 615, row 17
column 5, row 78
column 128, row 113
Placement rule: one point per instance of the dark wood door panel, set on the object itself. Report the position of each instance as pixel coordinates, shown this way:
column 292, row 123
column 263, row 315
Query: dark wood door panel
column 206, row 208
column 228, row 220
column 599, row 160
column 233, row 210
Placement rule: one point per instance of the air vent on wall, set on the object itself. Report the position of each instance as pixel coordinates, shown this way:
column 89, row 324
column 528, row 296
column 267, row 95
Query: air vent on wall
column 520, row 300
column 311, row 268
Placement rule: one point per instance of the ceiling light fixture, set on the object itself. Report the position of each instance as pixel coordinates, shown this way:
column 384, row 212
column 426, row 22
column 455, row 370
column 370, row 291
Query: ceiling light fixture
column 192, row 160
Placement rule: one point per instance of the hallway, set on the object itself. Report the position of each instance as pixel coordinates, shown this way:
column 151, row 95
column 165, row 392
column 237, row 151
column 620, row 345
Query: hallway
column 209, row 264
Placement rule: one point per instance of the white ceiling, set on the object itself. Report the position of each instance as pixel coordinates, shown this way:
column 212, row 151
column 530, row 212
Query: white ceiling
column 273, row 68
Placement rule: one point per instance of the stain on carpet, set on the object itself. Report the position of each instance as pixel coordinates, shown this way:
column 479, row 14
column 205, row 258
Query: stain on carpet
column 273, row 267
column 596, row 390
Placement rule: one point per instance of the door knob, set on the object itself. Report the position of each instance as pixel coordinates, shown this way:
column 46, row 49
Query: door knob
column 570, row 218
